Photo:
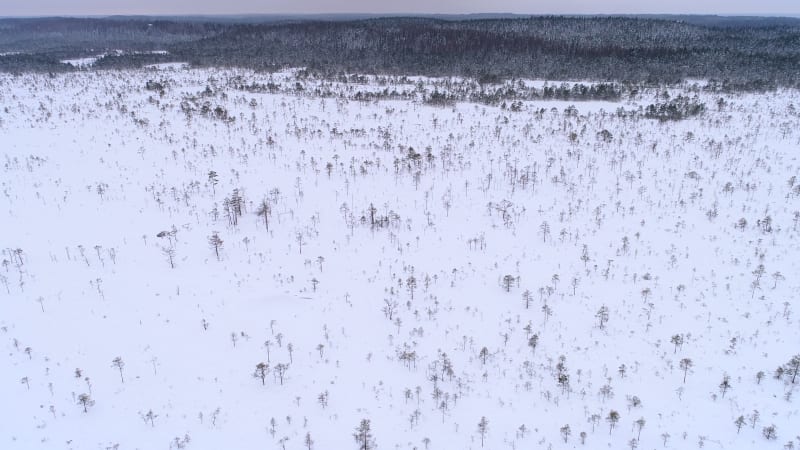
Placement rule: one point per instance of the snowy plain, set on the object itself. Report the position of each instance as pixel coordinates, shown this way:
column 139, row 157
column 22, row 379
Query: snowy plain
column 397, row 240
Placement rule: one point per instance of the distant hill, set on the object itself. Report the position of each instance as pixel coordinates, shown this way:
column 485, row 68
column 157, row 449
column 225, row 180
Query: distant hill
column 763, row 52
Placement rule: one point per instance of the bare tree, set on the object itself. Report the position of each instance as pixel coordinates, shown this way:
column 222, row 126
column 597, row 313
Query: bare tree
column 150, row 417
column 574, row 283
column 566, row 431
column 268, row 345
column 602, row 316
column 280, row 370
column 754, row 418
column 585, row 255
column 606, row 391
column 594, row 419
column 389, row 308
column 169, row 253
column 544, row 230
column 119, row 364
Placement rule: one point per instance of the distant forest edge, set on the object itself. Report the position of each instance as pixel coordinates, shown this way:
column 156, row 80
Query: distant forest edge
column 739, row 53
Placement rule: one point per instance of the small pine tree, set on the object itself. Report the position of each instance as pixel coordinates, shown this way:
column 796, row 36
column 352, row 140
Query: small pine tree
column 686, row 364
column 411, row 285
column 309, row 443
column 119, row 364
column 261, row 372
column 508, row 281
column 527, row 297
column 677, row 340
column 363, row 436
column 483, row 428
column 725, row 385
column 639, row 426
column 86, row 401
column 739, row 422
column 566, row 431
column 793, row 367
column 612, row 419
column 483, row 355
column 264, row 210
column 533, row 342
column 602, row 316
column 216, row 243
column 169, row 253
column 280, row 370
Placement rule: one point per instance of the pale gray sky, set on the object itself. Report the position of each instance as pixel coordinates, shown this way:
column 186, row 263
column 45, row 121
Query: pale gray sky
column 103, row 7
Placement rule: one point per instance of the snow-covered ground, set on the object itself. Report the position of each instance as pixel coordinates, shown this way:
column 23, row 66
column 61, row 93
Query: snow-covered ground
column 90, row 60
column 82, row 62
column 389, row 276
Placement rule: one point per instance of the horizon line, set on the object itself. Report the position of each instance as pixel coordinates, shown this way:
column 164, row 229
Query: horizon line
column 397, row 14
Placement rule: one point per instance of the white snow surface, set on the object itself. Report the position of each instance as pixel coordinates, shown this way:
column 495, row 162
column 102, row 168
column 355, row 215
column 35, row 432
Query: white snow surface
column 90, row 60
column 94, row 166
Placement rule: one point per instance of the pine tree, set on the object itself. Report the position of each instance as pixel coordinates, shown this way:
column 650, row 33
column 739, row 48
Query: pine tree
column 686, row 364
column 612, row 419
column 483, row 428
column 739, row 422
column 216, row 243
column 793, row 367
column 86, row 401
column 264, row 210
column 119, row 364
column 261, row 372
column 363, row 436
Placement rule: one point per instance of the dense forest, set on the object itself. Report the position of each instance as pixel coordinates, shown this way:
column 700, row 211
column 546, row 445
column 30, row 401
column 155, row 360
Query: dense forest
column 749, row 53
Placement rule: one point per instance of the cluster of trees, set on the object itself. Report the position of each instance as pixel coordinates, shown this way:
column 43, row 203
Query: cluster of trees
column 757, row 55
column 192, row 105
column 62, row 37
column 679, row 108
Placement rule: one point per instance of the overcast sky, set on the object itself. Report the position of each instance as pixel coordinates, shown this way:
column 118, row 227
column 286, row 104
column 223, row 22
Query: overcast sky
column 103, row 7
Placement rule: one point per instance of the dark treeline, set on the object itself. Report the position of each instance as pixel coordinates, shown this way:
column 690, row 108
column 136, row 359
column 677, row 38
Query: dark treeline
column 745, row 53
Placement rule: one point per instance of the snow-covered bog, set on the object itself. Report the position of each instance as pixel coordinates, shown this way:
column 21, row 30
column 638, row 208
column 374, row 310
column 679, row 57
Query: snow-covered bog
column 223, row 259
